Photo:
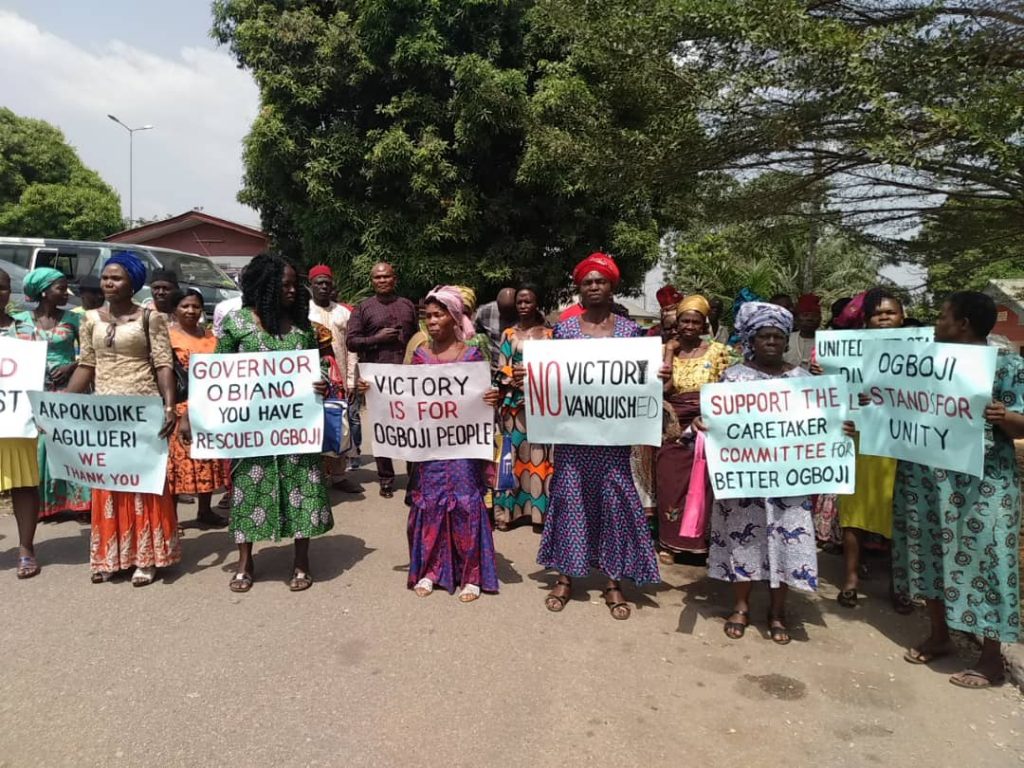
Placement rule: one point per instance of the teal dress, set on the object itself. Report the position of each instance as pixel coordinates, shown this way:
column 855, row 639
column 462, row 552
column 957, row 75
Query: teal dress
column 274, row 497
column 55, row 495
column 955, row 536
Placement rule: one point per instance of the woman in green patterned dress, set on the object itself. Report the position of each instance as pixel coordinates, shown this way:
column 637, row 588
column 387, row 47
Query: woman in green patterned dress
column 274, row 497
column 59, row 329
column 955, row 535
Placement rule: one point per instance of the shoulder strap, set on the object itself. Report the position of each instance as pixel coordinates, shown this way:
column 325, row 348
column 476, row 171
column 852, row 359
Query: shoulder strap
column 145, row 329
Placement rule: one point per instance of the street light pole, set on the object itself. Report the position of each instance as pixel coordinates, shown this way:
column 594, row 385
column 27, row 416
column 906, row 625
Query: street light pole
column 131, row 165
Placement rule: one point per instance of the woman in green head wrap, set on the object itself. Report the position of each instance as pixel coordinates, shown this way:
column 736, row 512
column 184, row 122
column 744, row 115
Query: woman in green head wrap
column 58, row 327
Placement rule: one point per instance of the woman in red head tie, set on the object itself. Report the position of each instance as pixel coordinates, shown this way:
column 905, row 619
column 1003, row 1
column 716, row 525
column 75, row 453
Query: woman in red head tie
column 595, row 518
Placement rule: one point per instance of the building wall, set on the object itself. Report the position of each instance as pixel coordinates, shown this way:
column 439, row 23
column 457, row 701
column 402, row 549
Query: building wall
column 207, row 240
column 1008, row 325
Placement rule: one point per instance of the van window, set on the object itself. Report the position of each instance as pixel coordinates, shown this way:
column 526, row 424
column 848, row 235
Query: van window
column 195, row 270
column 17, row 254
column 72, row 261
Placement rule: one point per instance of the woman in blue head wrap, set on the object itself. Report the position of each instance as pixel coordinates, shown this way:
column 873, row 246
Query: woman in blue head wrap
column 762, row 539
column 58, row 327
column 127, row 351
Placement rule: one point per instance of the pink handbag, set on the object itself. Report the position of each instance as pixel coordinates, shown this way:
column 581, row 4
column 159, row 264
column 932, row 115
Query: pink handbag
column 695, row 510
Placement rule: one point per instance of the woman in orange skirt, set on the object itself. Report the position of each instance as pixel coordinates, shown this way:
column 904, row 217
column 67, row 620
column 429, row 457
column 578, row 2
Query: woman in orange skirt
column 122, row 356
column 200, row 477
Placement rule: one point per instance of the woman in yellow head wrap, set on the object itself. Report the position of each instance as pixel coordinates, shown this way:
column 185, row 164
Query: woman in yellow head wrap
column 691, row 361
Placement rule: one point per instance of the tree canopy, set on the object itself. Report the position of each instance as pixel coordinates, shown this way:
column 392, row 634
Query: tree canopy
column 484, row 140
column 45, row 190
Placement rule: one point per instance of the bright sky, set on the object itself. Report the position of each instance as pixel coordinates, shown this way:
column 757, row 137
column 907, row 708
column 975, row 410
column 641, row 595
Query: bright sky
column 72, row 63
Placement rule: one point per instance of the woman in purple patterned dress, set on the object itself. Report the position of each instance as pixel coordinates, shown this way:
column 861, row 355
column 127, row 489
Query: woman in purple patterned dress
column 595, row 518
column 450, row 541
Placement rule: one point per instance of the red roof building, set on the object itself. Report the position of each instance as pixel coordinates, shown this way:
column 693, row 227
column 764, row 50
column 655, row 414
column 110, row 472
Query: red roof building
column 225, row 243
column 1009, row 298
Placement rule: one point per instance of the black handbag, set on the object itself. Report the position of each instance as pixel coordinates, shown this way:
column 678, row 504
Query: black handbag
column 180, row 372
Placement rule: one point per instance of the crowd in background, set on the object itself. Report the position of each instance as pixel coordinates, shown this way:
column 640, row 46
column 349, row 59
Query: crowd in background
column 952, row 538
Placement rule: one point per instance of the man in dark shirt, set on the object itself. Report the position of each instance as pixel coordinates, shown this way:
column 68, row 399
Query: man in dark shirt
column 378, row 331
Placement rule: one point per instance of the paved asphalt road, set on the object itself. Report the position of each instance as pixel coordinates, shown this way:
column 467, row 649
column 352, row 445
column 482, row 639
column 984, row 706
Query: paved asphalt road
column 359, row 672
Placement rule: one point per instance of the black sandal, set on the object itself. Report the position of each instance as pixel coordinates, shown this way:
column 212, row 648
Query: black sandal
column 619, row 609
column 555, row 603
column 739, row 628
column 847, row 598
column 779, row 635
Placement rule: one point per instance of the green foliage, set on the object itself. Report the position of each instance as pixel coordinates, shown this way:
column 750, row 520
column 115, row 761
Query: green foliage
column 463, row 140
column 45, row 191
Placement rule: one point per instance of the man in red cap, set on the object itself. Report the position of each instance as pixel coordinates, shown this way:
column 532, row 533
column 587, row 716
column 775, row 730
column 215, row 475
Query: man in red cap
column 668, row 297
column 808, row 321
column 333, row 316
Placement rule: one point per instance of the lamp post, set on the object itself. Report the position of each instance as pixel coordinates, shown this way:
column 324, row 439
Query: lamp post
column 131, row 169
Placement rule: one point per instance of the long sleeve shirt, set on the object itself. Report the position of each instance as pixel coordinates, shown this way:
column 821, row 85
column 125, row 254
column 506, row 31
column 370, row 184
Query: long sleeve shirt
column 373, row 316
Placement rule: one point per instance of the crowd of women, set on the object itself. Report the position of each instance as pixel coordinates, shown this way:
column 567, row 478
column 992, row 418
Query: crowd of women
column 615, row 510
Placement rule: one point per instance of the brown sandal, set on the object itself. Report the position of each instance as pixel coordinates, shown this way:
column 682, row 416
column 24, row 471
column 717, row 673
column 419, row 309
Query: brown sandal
column 619, row 609
column 300, row 581
column 559, row 595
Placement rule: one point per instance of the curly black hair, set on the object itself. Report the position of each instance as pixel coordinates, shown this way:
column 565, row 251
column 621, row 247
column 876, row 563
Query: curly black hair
column 261, row 292
column 873, row 300
column 978, row 309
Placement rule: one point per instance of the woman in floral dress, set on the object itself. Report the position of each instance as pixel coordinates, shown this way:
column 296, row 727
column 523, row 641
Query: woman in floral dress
column 595, row 517
column 747, row 542
column 59, row 329
column 450, row 542
column 531, row 463
column 955, row 536
column 274, row 497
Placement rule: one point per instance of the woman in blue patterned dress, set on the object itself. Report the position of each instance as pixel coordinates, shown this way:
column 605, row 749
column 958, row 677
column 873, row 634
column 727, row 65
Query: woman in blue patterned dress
column 595, row 517
column 747, row 535
column 955, row 535
column 273, row 497
column 450, row 541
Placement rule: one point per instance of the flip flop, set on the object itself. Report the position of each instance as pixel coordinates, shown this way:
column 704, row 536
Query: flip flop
column 917, row 656
column 960, row 679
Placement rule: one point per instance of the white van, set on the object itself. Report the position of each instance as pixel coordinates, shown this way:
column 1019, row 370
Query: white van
column 76, row 258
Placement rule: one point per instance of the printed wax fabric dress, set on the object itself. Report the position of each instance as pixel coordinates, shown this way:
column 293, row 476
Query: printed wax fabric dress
column 59, row 495
column 185, row 474
column 955, row 536
column 274, row 497
column 763, row 539
column 531, row 465
column 129, row 529
column 595, row 518
column 450, row 539
column 19, row 464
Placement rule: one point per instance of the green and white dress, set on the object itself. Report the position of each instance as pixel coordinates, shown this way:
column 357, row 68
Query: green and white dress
column 955, row 536
column 274, row 497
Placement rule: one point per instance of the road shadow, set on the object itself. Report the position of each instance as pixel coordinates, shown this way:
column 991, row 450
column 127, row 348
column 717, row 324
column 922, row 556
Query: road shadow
column 330, row 556
column 507, row 574
column 72, row 549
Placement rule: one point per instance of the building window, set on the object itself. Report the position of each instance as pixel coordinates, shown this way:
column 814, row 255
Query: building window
column 1001, row 317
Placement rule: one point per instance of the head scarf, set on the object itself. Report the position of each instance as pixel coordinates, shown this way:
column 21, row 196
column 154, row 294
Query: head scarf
column 597, row 262
column 852, row 316
column 743, row 297
column 468, row 298
column 38, row 280
column 133, row 267
column 694, row 303
column 755, row 315
column 668, row 296
column 449, row 297
column 320, row 270
column 808, row 303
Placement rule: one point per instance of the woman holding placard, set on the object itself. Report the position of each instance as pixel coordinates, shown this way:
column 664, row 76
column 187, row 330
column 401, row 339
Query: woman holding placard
column 19, row 465
column 126, row 351
column 769, row 539
column 955, row 535
column 869, row 508
column 199, row 477
column 531, row 463
column 450, row 542
column 691, row 361
column 595, row 517
column 274, row 497
column 59, row 329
